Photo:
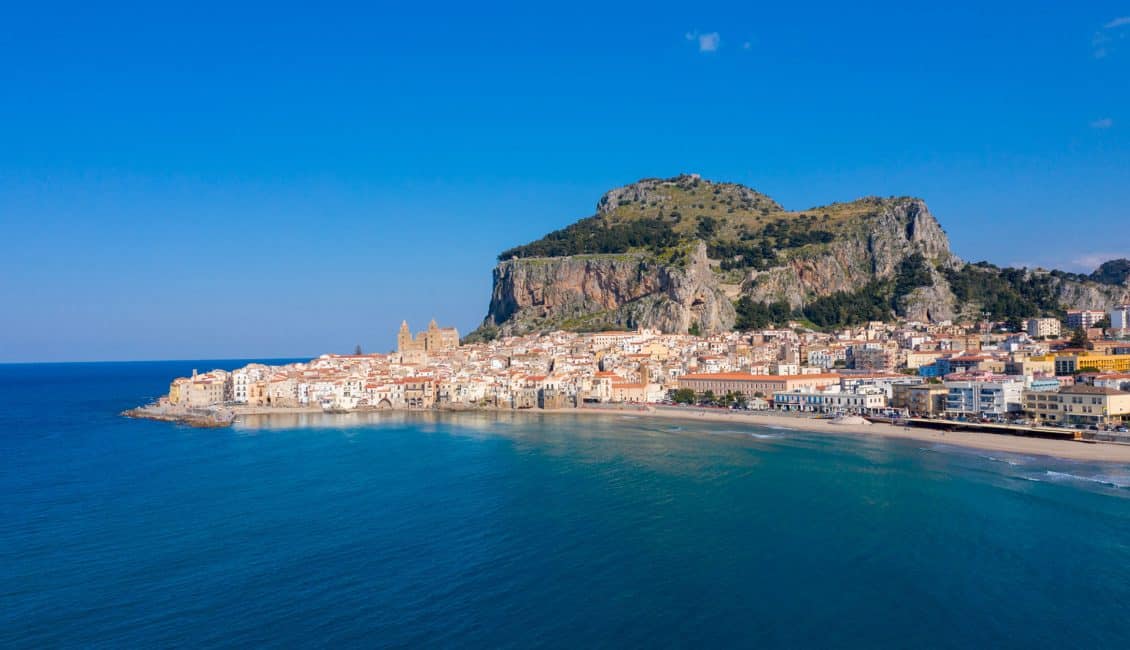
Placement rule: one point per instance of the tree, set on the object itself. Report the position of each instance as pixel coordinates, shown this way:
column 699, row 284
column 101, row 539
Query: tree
column 694, row 329
column 759, row 315
column 726, row 400
column 357, row 350
column 708, row 397
column 1079, row 338
column 682, row 396
column 1103, row 323
column 740, row 400
column 593, row 235
column 1112, row 272
column 706, row 227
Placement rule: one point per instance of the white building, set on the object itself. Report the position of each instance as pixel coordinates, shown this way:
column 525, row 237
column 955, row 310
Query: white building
column 1120, row 319
column 244, row 377
column 984, row 398
column 1083, row 318
column 1042, row 327
column 239, row 381
column 867, row 399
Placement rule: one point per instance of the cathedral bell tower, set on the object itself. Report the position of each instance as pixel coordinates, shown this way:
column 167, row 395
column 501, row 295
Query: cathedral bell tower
column 403, row 338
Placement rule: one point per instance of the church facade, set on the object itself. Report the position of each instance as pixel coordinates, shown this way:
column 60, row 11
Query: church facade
column 432, row 340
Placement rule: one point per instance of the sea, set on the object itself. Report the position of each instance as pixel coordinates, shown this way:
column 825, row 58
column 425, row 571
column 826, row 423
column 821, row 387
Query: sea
column 521, row 530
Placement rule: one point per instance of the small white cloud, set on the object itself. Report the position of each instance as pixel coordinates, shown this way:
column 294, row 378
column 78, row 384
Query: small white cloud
column 1104, row 123
column 1100, row 47
column 709, row 42
column 746, row 45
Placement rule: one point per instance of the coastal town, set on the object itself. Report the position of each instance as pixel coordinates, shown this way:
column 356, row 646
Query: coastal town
column 1072, row 373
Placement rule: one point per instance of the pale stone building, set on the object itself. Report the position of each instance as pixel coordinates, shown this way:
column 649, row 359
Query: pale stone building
column 431, row 341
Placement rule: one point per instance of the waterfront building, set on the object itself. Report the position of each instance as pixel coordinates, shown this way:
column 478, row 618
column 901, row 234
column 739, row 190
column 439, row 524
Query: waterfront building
column 754, row 385
column 1079, row 404
column 863, row 401
column 983, row 398
column 629, row 392
column 239, row 381
column 926, row 400
column 419, row 392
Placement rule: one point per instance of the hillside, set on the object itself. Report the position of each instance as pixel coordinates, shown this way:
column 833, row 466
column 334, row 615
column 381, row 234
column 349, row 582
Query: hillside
column 686, row 253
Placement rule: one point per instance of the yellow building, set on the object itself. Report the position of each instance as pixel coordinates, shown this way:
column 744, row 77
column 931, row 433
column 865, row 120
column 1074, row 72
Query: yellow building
column 915, row 359
column 419, row 392
column 1069, row 364
column 1020, row 365
column 1079, row 404
column 919, row 399
column 177, row 390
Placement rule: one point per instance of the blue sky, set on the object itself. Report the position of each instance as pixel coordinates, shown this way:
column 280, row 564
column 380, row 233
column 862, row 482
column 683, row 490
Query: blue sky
column 203, row 181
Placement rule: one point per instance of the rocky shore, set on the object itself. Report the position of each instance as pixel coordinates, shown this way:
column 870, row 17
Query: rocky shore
column 204, row 418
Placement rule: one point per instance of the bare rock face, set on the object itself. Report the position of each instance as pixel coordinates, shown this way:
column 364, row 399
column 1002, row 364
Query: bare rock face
column 569, row 287
column 676, row 287
column 1091, row 295
column 604, row 291
column 931, row 304
column 873, row 250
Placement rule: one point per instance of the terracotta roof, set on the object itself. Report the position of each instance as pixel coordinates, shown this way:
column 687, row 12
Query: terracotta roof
column 1083, row 389
column 739, row 376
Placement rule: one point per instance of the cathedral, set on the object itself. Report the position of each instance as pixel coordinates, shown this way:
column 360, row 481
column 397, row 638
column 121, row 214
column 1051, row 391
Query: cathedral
column 432, row 340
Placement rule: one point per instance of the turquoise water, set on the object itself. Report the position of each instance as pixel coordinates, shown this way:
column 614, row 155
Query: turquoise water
column 525, row 530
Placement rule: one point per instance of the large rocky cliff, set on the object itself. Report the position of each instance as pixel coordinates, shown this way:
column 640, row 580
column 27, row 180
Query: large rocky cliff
column 609, row 291
column 675, row 254
column 871, row 248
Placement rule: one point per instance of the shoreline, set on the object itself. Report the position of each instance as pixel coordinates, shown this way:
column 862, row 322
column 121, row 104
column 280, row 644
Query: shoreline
column 1005, row 443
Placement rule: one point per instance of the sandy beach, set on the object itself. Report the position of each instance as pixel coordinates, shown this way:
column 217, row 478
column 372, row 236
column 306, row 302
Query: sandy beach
column 1098, row 451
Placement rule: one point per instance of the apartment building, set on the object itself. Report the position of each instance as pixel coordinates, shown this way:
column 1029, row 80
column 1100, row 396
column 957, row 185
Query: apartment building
column 1079, row 404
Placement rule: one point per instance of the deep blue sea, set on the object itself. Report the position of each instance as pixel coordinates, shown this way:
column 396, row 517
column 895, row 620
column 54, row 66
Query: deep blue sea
column 531, row 531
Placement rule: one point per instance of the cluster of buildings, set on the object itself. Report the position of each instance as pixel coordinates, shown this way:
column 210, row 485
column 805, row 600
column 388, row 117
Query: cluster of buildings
column 929, row 370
